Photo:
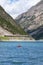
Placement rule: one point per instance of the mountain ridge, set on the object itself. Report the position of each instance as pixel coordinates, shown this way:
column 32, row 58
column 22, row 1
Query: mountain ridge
column 32, row 20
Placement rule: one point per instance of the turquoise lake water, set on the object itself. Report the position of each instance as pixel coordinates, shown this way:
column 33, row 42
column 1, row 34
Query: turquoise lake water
column 30, row 53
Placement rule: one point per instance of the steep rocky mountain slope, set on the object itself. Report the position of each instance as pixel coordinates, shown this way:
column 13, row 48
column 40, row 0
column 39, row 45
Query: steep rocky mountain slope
column 32, row 21
column 7, row 22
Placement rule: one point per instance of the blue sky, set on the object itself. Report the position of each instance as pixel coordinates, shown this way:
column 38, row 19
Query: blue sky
column 16, row 7
column 11, row 1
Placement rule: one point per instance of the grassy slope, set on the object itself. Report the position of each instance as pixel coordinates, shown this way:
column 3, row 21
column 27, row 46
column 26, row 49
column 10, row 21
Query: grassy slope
column 9, row 24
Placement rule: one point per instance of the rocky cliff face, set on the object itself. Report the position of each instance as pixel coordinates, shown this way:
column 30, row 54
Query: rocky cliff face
column 32, row 21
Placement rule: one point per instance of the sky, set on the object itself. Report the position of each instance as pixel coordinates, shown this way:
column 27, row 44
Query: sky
column 16, row 7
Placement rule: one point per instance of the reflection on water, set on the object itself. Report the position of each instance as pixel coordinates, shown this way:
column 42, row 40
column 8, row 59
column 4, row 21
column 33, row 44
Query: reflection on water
column 27, row 54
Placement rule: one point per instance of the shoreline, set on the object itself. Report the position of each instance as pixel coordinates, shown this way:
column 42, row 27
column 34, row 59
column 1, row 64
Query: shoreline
column 21, row 40
column 6, row 38
column 15, row 38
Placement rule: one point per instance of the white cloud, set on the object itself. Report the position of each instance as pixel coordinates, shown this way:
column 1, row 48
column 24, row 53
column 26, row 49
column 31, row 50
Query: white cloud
column 16, row 7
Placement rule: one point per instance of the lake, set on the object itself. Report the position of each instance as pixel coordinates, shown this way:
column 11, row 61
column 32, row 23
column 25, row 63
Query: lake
column 21, row 53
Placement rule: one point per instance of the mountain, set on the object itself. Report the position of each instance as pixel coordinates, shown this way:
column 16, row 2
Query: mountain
column 9, row 28
column 9, row 24
column 4, row 32
column 32, row 21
